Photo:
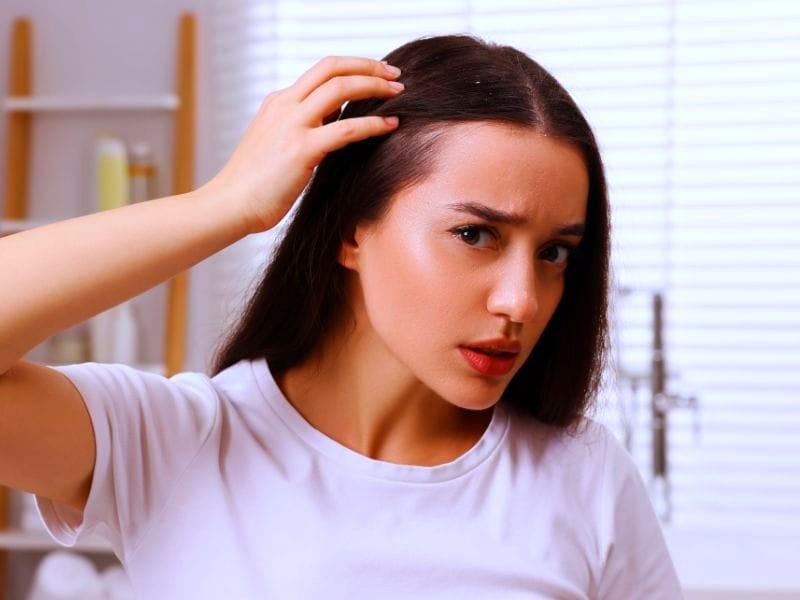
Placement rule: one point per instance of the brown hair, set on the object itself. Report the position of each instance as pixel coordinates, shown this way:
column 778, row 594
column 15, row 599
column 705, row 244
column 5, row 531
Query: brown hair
column 457, row 78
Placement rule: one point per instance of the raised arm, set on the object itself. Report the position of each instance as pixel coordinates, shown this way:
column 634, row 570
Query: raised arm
column 56, row 276
column 61, row 274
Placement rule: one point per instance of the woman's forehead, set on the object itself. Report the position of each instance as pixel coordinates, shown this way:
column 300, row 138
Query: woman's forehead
column 502, row 154
column 513, row 170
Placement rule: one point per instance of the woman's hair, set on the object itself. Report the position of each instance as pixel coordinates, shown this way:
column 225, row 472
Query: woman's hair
column 448, row 79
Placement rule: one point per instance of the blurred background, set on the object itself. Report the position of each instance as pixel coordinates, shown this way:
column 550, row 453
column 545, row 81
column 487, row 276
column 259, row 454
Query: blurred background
column 696, row 105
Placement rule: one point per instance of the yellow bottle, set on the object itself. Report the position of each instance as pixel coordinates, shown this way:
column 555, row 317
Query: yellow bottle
column 111, row 172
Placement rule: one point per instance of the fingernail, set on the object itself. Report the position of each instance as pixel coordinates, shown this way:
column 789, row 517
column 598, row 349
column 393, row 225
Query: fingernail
column 393, row 70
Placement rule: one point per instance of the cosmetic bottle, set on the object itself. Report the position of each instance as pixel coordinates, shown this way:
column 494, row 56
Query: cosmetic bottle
column 115, row 336
column 111, row 172
column 70, row 346
column 142, row 172
column 63, row 575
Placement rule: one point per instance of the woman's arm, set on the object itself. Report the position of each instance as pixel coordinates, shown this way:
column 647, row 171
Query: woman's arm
column 59, row 275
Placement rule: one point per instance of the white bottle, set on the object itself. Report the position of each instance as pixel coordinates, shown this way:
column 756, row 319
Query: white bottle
column 114, row 336
column 69, row 347
column 125, row 336
column 101, row 336
column 63, row 575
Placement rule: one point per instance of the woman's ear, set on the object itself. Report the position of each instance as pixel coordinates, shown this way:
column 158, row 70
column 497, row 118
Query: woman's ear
column 348, row 250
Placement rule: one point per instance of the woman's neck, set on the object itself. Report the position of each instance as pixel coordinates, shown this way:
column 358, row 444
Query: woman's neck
column 353, row 390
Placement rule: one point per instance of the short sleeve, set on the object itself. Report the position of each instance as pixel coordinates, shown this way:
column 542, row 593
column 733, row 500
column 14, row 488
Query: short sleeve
column 147, row 430
column 637, row 560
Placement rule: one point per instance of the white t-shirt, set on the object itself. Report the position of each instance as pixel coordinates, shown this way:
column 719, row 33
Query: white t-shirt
column 219, row 488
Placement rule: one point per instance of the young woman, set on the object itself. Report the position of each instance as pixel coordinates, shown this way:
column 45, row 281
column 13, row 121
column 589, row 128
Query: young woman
column 402, row 411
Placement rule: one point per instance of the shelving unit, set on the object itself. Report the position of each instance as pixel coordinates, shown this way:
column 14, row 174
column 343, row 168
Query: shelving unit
column 92, row 103
column 21, row 106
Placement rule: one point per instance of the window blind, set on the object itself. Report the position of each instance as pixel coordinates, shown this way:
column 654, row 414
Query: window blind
column 696, row 106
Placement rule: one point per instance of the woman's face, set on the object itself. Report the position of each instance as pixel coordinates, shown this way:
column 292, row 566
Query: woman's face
column 436, row 276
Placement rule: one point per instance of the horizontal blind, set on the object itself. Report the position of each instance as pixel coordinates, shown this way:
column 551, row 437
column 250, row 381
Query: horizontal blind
column 734, row 331
column 696, row 106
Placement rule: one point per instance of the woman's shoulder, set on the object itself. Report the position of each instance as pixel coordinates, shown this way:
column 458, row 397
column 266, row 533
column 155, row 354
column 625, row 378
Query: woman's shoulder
column 587, row 444
column 240, row 383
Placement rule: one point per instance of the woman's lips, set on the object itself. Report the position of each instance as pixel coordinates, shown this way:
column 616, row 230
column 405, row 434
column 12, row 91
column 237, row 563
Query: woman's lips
column 487, row 364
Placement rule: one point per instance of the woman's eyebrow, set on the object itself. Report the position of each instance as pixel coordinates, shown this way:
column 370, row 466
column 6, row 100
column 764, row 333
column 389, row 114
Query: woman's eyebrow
column 497, row 216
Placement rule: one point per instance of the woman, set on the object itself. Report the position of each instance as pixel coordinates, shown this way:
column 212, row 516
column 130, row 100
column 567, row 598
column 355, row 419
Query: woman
column 402, row 409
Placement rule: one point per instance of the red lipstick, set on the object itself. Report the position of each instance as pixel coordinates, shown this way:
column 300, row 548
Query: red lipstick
column 492, row 357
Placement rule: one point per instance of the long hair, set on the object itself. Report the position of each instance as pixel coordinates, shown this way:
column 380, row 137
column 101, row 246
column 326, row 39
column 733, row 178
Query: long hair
column 449, row 78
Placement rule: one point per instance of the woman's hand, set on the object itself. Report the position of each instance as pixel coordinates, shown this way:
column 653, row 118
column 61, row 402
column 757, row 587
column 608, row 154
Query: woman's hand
column 291, row 134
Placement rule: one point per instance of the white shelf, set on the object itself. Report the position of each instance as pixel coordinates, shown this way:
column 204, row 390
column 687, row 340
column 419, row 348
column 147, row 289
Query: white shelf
column 40, row 541
column 57, row 103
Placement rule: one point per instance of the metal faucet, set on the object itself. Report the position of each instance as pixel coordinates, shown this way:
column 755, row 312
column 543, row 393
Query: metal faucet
column 661, row 403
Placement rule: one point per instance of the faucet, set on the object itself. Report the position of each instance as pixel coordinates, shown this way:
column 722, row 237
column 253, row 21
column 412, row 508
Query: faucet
column 661, row 403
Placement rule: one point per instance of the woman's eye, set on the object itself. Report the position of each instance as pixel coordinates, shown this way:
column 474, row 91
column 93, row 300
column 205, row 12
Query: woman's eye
column 562, row 258
column 471, row 234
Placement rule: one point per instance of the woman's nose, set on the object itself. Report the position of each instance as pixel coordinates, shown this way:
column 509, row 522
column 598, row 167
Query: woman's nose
column 514, row 294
